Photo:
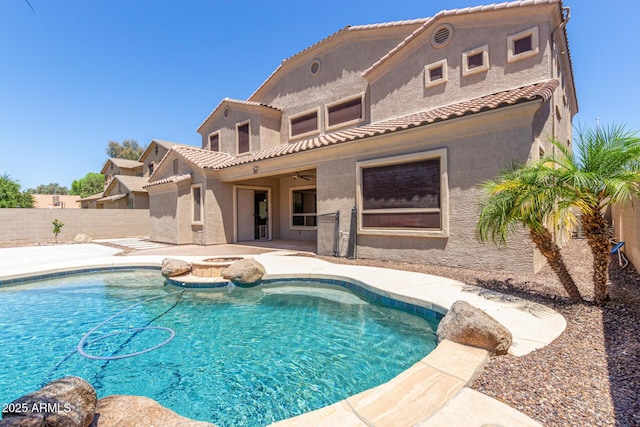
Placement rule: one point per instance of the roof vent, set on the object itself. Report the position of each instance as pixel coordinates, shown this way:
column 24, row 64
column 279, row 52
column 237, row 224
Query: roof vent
column 442, row 35
column 315, row 67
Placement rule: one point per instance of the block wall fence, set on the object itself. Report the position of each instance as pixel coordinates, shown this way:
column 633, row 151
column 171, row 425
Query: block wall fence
column 36, row 225
column 626, row 225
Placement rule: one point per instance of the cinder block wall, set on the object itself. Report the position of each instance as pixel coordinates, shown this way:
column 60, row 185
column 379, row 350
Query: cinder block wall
column 36, row 225
column 626, row 225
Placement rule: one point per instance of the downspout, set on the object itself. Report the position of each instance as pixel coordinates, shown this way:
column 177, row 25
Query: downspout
column 566, row 16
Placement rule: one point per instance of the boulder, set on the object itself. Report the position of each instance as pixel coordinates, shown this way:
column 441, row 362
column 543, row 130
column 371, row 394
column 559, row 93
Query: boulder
column 82, row 238
column 30, row 421
column 175, row 267
column 134, row 411
column 244, row 272
column 466, row 324
column 65, row 402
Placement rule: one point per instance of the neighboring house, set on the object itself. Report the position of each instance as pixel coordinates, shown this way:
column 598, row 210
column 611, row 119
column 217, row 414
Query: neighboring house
column 115, row 166
column 55, row 201
column 125, row 180
column 125, row 192
column 396, row 122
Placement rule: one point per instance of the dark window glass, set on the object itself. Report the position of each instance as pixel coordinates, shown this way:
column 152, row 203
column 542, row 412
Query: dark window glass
column 214, row 142
column 150, row 168
column 345, row 112
column 522, row 45
column 175, row 166
column 414, row 185
column 475, row 61
column 304, row 208
column 304, row 124
column 243, row 138
column 435, row 73
column 197, row 204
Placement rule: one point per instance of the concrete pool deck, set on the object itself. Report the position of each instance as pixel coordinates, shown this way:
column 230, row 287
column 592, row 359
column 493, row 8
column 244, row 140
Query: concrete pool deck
column 433, row 392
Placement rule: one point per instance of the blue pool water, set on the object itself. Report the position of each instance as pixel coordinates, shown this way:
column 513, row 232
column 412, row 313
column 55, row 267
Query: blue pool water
column 240, row 356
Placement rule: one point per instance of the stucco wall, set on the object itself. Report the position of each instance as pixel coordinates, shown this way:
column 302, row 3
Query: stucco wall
column 626, row 225
column 472, row 156
column 164, row 221
column 400, row 89
column 35, row 225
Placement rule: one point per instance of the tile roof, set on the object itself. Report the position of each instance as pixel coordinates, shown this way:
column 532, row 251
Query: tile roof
column 112, row 198
column 90, row 198
column 236, row 101
column 204, row 159
column 542, row 90
column 463, row 11
column 165, row 144
column 125, row 163
column 172, row 179
column 132, row 183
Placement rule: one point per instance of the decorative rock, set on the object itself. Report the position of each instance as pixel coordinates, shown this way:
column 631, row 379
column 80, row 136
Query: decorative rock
column 134, row 411
column 466, row 324
column 82, row 238
column 174, row 267
column 30, row 421
column 244, row 272
column 65, row 402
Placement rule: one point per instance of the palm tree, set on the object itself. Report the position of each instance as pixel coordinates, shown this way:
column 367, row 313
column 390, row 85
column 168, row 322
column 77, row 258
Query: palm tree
column 527, row 196
column 605, row 170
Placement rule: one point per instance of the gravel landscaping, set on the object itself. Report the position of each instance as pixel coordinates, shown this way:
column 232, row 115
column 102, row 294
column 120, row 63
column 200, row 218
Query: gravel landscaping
column 589, row 376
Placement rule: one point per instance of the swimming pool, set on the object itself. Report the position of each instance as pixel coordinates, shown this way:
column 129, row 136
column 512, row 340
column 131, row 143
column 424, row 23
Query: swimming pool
column 240, row 356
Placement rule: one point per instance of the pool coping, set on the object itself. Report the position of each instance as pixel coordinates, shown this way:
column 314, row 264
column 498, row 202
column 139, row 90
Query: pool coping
column 433, row 390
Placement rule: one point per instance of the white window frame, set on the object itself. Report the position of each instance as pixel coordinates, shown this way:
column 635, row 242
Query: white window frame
column 347, row 123
column 535, row 44
column 427, row 73
column 314, row 132
column 484, row 50
column 217, row 133
column 238, row 125
column 444, row 195
column 193, row 211
column 291, row 214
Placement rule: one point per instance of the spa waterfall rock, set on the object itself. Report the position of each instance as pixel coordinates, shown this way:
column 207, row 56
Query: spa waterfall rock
column 136, row 411
column 65, row 402
column 175, row 267
column 466, row 324
column 244, row 272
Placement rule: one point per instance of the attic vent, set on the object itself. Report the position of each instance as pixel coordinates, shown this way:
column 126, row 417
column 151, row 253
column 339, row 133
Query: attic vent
column 315, row 67
column 442, row 35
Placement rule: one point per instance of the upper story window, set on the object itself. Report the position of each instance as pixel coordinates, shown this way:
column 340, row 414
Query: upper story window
column 175, row 167
column 345, row 112
column 243, row 138
column 523, row 45
column 303, row 124
column 436, row 73
column 475, row 60
column 214, row 141
column 151, row 165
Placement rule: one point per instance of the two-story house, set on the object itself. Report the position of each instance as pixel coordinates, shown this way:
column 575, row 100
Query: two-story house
column 124, row 179
column 374, row 140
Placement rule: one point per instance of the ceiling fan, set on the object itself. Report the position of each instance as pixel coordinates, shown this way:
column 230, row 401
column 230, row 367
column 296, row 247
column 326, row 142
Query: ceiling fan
column 297, row 175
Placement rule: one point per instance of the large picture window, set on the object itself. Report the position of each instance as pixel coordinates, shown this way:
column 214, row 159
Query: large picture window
column 303, row 207
column 305, row 124
column 404, row 193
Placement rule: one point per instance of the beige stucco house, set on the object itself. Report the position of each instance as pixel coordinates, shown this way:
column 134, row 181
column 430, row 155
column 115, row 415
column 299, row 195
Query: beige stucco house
column 125, row 180
column 373, row 141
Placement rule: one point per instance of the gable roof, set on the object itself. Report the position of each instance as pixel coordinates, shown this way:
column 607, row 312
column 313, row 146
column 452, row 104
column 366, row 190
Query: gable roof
column 225, row 101
column 164, row 144
column 133, row 184
column 349, row 29
column 205, row 159
column 122, row 164
column 173, row 179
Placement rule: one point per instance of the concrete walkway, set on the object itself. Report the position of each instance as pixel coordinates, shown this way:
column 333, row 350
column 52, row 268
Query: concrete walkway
column 433, row 392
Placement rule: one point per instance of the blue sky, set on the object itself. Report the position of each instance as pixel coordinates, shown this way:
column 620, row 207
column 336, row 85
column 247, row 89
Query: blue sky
column 78, row 74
